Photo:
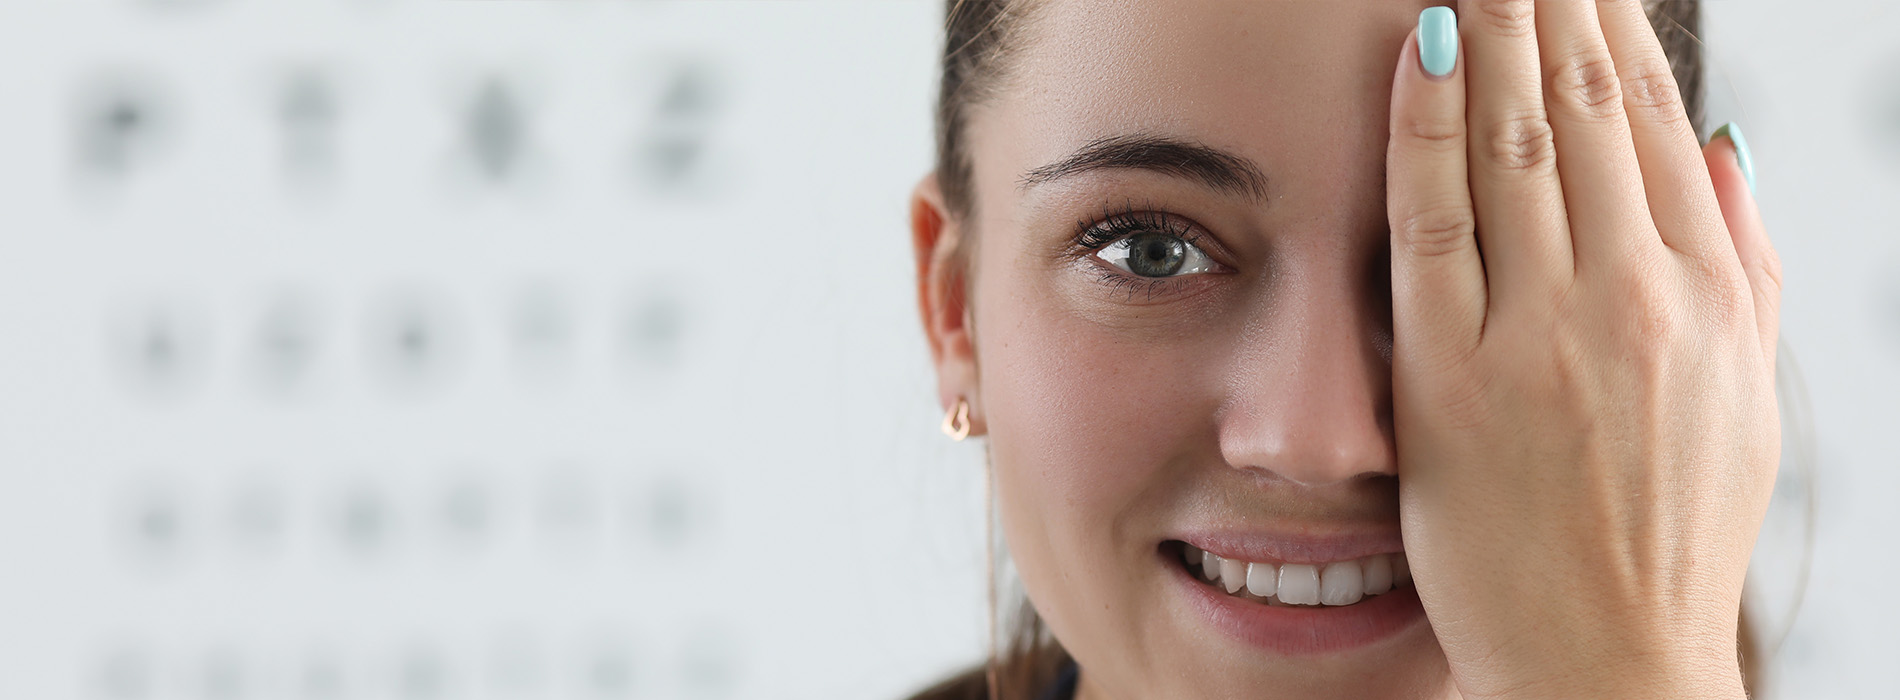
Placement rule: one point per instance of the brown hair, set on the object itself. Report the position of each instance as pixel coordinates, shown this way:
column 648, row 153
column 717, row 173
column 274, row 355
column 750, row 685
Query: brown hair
column 979, row 35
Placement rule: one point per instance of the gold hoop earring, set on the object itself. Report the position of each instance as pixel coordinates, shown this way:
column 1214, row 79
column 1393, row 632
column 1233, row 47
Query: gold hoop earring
column 956, row 421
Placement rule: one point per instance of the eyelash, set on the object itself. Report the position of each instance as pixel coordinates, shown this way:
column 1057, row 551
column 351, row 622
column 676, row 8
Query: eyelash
column 1116, row 223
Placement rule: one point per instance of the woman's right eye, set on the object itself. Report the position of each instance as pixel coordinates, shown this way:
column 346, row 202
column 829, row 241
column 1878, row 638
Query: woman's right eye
column 1156, row 254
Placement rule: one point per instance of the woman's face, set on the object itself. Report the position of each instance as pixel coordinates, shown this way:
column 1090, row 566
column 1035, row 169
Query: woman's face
column 1180, row 334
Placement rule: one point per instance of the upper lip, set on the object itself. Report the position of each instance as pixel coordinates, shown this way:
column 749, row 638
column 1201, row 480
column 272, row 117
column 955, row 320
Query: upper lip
column 1296, row 547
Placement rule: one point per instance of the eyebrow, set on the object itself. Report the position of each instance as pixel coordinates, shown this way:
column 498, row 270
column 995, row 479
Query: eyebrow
column 1214, row 168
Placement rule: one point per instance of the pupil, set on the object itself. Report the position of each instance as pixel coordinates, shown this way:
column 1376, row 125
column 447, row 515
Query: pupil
column 1156, row 254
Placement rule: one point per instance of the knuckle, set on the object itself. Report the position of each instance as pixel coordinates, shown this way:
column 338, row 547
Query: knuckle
column 1513, row 18
column 1446, row 130
column 1588, row 84
column 1730, row 303
column 1724, row 292
column 1521, row 142
column 1771, row 270
column 1647, row 302
column 1437, row 230
column 1650, row 89
column 1652, row 316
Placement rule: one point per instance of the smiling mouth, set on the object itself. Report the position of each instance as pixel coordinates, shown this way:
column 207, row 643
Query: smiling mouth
column 1321, row 584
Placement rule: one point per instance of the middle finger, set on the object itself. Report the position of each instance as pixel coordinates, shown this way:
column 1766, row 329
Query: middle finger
column 1522, row 228
column 1610, row 221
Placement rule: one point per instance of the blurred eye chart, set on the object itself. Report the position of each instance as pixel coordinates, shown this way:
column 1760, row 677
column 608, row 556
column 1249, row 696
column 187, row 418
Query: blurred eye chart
column 436, row 349
column 429, row 349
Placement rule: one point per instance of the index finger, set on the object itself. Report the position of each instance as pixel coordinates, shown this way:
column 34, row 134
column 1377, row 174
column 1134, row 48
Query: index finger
column 1439, row 293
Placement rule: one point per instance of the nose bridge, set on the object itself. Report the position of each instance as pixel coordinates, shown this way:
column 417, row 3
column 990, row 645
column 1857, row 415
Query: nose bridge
column 1312, row 393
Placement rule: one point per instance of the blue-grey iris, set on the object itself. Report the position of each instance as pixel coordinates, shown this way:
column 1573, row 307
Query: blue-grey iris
column 1156, row 254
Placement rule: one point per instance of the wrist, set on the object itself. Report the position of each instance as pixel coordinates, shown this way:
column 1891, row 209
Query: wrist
column 1628, row 675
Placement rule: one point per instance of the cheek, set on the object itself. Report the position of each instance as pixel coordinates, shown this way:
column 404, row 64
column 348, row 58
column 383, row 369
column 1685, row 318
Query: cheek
column 1085, row 422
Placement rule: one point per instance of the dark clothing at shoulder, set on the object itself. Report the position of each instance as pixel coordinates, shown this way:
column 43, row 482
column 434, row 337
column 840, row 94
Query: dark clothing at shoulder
column 972, row 684
column 1064, row 687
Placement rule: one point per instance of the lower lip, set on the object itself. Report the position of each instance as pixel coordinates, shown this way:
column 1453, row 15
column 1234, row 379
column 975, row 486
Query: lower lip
column 1303, row 631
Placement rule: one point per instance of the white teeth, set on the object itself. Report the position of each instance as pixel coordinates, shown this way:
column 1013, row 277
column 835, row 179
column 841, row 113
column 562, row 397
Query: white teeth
column 1262, row 579
column 1341, row 583
column 1378, row 574
column 1233, row 574
column 1331, row 583
column 1299, row 584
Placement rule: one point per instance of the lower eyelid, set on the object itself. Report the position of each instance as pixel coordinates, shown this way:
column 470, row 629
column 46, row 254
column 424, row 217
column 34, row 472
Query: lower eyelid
column 1130, row 288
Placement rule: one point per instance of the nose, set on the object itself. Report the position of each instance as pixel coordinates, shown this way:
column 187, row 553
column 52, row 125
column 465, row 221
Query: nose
column 1310, row 399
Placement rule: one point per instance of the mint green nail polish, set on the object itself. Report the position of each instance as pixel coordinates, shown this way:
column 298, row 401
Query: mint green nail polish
column 1742, row 158
column 1437, row 41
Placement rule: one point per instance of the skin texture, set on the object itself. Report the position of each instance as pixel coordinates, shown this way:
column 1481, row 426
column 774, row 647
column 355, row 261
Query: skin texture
column 1554, row 381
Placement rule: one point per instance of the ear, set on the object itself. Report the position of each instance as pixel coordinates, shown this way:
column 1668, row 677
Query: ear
column 936, row 238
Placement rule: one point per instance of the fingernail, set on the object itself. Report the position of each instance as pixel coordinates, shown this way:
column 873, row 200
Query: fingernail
column 1437, row 41
column 1742, row 158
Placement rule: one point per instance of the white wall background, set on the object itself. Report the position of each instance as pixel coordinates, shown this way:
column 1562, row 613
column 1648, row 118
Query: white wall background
column 428, row 349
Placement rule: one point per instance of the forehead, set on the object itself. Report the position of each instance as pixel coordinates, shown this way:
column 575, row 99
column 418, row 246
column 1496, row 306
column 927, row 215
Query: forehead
column 1283, row 82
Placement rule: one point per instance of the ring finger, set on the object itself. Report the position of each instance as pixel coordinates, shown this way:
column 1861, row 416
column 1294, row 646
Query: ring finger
column 1603, row 185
